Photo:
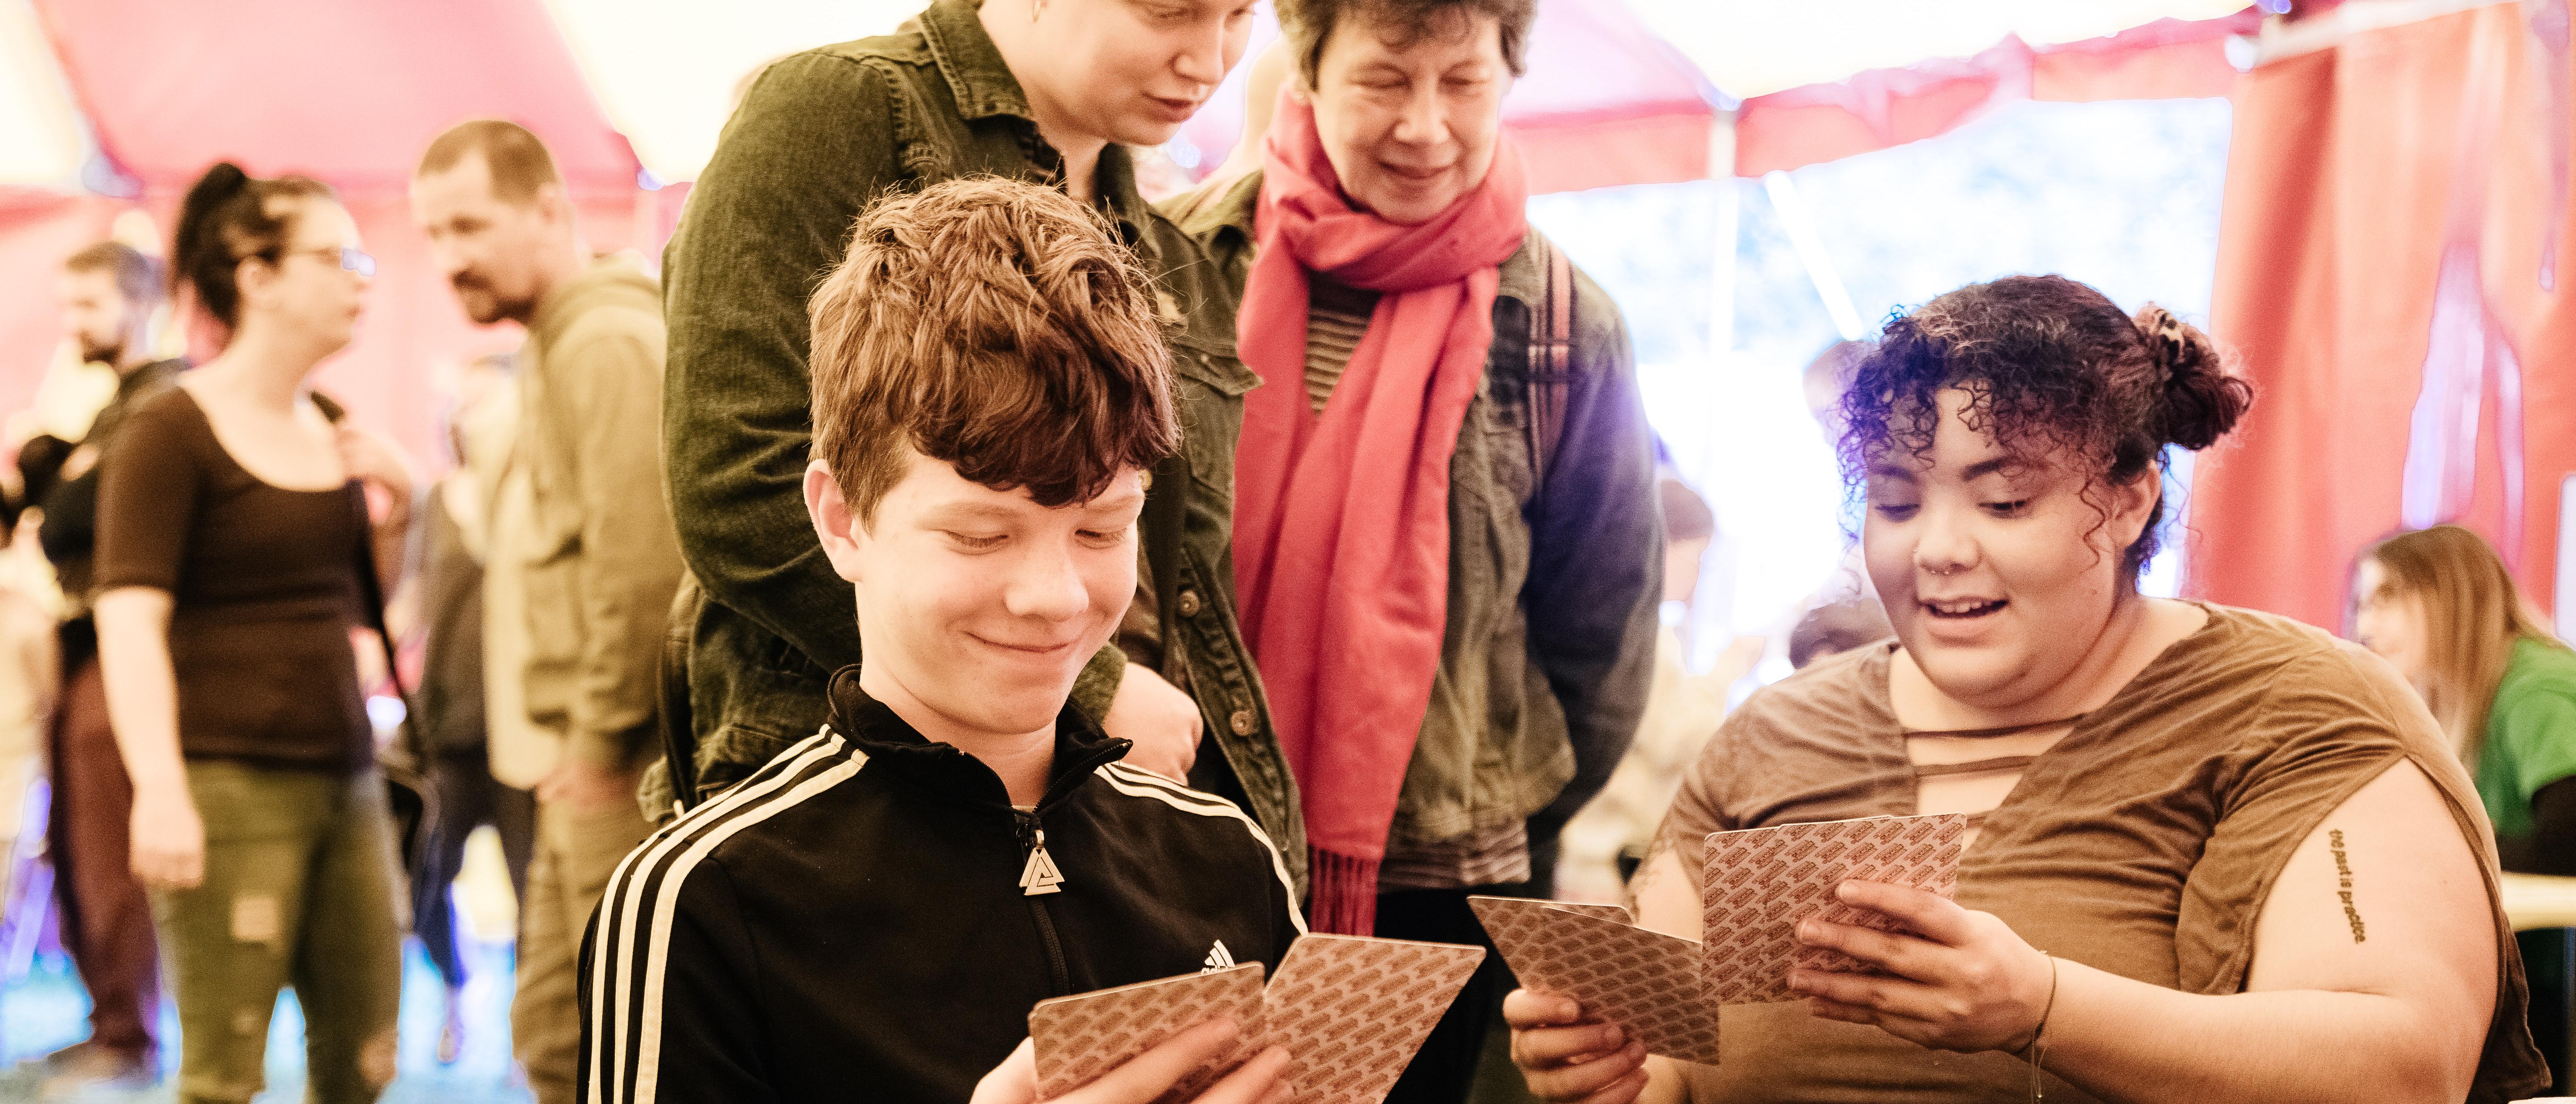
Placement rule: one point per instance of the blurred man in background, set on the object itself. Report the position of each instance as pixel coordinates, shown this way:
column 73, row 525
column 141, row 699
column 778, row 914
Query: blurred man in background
column 109, row 292
column 582, row 561
column 453, row 706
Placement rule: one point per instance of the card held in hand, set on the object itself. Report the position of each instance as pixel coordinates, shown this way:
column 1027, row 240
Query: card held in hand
column 1759, row 883
column 1647, row 982
column 1353, row 1010
column 1083, row 1037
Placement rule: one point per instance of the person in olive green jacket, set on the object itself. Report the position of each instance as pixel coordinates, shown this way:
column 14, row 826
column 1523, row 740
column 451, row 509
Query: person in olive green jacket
column 1043, row 90
column 580, row 567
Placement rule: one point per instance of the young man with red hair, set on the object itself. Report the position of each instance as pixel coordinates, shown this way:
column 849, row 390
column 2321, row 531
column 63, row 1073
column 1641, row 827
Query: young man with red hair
column 882, row 904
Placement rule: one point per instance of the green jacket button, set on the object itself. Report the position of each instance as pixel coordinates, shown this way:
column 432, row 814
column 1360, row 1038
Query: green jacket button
column 1189, row 603
column 1243, row 722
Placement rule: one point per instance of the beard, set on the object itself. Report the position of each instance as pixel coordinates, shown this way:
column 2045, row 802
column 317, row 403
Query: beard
column 485, row 305
column 111, row 353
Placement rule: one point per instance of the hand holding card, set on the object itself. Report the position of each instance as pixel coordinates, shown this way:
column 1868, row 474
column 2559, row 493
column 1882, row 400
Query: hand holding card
column 1761, row 882
column 1646, row 982
column 1080, row 1038
column 1352, row 1010
column 1349, row 1011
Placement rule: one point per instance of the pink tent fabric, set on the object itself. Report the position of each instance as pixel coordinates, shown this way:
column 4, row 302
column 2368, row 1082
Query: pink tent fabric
column 1609, row 103
column 2392, row 272
column 346, row 93
column 2166, row 59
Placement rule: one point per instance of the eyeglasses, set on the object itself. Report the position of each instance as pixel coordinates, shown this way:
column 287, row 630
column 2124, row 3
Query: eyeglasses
column 349, row 257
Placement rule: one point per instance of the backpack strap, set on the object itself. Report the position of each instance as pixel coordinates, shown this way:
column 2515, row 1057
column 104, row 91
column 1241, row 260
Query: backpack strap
column 1551, row 353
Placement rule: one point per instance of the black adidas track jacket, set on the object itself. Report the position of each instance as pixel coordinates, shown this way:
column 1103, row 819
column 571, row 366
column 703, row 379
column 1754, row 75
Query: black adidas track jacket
column 851, row 923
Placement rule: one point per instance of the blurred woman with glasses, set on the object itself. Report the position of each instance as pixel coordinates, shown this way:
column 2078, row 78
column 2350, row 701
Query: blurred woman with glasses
column 233, row 525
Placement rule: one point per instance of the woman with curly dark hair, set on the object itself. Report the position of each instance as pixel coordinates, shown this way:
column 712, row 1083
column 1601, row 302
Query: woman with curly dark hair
column 2218, row 855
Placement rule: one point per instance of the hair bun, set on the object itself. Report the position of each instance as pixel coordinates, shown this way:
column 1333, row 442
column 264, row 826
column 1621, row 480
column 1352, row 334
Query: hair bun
column 218, row 183
column 2202, row 400
column 215, row 187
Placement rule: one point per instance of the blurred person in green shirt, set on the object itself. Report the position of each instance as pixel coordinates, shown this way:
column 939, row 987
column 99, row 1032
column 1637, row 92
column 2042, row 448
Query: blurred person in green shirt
column 2439, row 605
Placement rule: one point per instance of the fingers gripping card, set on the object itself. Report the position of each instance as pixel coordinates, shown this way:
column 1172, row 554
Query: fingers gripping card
column 1759, row 883
column 1081, row 1038
column 1353, row 1010
column 1647, row 982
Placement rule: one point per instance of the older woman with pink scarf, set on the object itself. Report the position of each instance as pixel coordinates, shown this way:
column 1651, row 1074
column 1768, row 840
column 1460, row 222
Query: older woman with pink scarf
column 1445, row 534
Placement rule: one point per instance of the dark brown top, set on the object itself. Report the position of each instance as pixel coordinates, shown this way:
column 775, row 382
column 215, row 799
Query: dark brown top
column 264, row 589
column 2143, row 843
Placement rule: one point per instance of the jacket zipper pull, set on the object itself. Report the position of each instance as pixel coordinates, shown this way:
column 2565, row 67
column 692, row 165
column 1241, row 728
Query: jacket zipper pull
column 1038, row 876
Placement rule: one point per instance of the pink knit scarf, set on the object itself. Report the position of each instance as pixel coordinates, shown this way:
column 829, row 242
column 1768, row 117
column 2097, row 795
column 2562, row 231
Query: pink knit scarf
column 1341, row 521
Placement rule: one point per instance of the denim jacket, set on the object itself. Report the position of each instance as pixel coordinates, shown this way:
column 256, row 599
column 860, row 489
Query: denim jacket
column 1555, row 578
column 817, row 137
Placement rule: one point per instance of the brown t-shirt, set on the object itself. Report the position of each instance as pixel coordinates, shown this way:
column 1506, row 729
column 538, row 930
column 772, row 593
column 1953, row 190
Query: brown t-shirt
column 264, row 588
column 2143, row 843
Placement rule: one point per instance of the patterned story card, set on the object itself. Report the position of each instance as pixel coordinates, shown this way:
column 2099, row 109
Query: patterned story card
column 1081, row 1037
column 1647, row 982
column 1759, row 883
column 1353, row 1010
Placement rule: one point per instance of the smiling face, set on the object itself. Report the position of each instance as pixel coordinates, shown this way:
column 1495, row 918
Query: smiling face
column 979, row 606
column 1132, row 71
column 1997, row 573
column 1410, row 121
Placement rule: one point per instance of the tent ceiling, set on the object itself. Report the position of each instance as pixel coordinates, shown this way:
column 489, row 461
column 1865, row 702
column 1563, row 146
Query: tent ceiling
column 376, row 80
column 342, row 91
column 667, row 70
column 1756, row 47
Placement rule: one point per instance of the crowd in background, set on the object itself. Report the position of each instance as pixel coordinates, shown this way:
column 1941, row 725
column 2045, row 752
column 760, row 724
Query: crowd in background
column 1477, row 687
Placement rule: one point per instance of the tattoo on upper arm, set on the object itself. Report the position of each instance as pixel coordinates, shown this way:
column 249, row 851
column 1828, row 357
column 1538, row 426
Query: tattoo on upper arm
column 2343, row 882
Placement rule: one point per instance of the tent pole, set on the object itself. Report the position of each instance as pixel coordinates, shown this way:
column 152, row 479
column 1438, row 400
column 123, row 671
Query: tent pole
column 1721, row 171
column 1811, row 250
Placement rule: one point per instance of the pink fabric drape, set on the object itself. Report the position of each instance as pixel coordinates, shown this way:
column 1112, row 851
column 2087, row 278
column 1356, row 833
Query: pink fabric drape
column 2166, row 59
column 2391, row 273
